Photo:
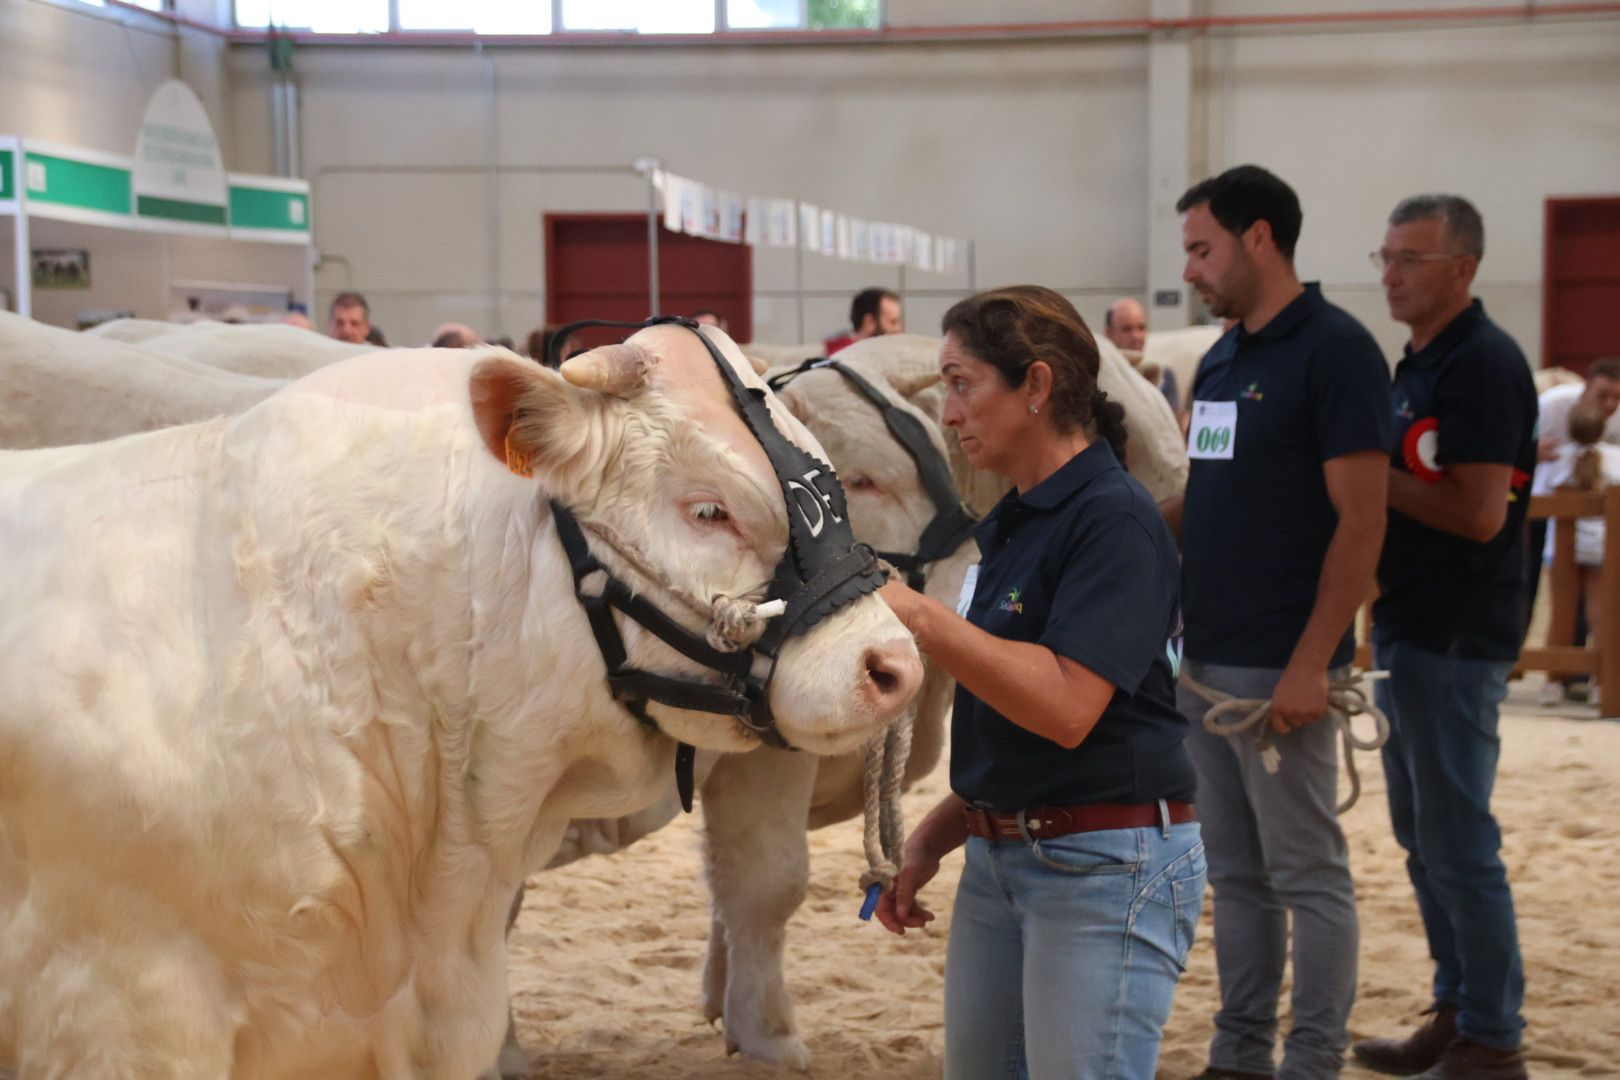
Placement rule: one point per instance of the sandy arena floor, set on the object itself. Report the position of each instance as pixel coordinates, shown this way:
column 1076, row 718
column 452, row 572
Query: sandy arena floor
column 608, row 951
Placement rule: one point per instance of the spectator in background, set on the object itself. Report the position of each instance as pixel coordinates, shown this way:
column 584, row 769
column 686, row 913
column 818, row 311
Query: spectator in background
column 539, row 344
column 374, row 336
column 1585, row 463
column 1601, row 391
column 349, row 319
column 454, row 335
column 710, row 317
column 873, row 311
column 1125, row 324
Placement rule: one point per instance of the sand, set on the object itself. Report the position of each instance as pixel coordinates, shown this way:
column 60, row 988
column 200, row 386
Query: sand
column 608, row 952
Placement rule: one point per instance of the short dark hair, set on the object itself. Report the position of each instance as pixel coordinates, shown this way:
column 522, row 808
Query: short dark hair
column 1245, row 194
column 350, row 299
column 867, row 302
column 1456, row 215
column 1605, row 367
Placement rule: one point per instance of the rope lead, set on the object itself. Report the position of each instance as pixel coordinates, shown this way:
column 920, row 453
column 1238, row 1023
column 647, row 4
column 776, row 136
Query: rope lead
column 885, row 830
column 1346, row 701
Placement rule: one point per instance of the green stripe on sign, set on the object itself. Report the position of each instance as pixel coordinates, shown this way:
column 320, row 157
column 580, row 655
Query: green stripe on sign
column 8, row 186
column 261, row 208
column 76, row 183
column 179, row 210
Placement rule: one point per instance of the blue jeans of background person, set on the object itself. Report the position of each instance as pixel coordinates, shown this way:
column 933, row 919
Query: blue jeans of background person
column 1275, row 849
column 1440, row 763
column 1064, row 953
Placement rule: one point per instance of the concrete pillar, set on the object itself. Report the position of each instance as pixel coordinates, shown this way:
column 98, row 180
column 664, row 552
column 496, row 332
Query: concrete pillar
column 1170, row 68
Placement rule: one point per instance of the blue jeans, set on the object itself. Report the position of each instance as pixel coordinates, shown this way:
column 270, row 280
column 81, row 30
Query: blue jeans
column 1275, row 850
column 1064, row 953
column 1440, row 763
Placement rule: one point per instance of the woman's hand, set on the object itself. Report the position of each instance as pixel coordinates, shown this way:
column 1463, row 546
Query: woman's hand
column 908, row 605
column 897, row 908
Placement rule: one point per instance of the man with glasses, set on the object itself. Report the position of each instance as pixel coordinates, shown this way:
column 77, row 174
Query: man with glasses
column 1447, row 628
column 1280, row 527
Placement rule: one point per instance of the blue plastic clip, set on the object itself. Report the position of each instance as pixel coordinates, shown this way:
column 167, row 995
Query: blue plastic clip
column 869, row 905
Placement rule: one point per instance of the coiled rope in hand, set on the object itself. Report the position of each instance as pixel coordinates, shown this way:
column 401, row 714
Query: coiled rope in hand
column 1346, row 701
column 884, row 839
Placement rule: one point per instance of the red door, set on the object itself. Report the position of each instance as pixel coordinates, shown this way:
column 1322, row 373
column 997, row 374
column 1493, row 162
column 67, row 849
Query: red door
column 596, row 268
column 1580, row 305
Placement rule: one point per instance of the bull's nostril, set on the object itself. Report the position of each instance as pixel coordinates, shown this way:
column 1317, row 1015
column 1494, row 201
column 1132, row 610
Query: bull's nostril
column 886, row 681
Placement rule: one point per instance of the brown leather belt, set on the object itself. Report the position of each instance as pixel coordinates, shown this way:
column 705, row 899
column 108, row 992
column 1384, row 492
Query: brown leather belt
column 1044, row 822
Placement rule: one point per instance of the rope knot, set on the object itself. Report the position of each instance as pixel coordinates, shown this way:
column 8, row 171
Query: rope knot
column 735, row 623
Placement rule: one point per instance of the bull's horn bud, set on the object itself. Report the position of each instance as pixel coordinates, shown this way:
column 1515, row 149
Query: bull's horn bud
column 620, row 370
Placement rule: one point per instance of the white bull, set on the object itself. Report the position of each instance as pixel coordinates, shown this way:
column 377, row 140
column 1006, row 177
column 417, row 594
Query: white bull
column 291, row 702
column 756, row 807
column 1180, row 351
column 268, row 350
column 58, row 387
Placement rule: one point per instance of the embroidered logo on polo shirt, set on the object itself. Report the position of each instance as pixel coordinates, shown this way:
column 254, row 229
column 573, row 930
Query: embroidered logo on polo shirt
column 1517, row 480
column 1404, row 409
column 1420, row 450
column 1252, row 393
column 1014, row 602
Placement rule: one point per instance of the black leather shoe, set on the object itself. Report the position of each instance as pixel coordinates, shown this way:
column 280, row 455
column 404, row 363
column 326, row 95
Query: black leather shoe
column 1418, row 1051
column 1212, row 1073
column 1465, row 1060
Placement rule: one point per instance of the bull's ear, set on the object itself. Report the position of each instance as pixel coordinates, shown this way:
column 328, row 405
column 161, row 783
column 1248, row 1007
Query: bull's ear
column 908, row 384
column 794, row 401
column 527, row 415
column 922, row 388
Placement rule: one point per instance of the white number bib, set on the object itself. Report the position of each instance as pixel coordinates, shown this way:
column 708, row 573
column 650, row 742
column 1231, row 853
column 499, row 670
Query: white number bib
column 964, row 599
column 1213, row 434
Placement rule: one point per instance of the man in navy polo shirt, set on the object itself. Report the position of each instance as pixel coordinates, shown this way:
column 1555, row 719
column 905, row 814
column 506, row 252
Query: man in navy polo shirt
column 1447, row 627
column 1281, row 527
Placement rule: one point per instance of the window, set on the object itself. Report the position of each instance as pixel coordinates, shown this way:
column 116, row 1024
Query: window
column 321, row 16
column 546, row 16
column 642, row 16
column 479, row 16
column 802, row 14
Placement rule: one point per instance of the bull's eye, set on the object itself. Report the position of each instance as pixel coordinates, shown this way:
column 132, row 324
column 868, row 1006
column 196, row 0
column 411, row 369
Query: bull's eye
column 857, row 482
column 709, row 511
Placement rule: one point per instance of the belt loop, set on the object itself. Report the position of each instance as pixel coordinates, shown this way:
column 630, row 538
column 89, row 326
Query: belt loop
column 1164, row 818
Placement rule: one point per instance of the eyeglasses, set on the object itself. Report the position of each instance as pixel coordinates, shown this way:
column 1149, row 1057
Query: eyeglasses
column 1383, row 258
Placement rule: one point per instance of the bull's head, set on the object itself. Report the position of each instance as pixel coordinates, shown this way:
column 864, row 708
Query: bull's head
column 644, row 443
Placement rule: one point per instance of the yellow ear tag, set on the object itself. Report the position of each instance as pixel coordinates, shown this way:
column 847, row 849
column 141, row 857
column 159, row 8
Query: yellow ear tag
column 517, row 460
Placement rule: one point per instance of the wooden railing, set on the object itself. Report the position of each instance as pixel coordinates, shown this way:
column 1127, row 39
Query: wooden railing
column 1560, row 656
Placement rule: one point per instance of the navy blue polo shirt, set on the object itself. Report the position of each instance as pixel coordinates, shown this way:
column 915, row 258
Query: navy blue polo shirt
column 1309, row 386
column 1083, row 564
column 1465, row 397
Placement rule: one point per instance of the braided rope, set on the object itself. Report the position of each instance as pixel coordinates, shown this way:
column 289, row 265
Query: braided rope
column 884, row 829
column 1346, row 701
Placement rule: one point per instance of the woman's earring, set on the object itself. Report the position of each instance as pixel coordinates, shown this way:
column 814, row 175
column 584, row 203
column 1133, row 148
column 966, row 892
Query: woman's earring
column 1034, row 408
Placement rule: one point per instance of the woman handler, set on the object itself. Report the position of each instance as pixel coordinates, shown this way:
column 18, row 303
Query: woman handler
column 1070, row 785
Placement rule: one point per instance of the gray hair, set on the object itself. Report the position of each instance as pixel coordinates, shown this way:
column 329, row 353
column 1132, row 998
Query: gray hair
column 1456, row 215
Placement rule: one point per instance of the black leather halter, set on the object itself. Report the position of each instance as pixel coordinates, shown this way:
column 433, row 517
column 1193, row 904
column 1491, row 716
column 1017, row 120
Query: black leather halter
column 952, row 523
column 822, row 570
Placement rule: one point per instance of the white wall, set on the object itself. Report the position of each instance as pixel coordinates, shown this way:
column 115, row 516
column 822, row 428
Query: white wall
column 79, row 75
column 916, row 134
column 1036, row 148
column 1506, row 115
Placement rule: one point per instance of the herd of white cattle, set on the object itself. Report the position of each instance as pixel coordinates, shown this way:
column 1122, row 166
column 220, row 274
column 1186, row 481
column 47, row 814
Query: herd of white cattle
column 295, row 691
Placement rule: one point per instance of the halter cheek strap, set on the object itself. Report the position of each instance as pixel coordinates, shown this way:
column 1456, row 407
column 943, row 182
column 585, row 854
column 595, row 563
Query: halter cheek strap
column 952, row 524
column 822, row 570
